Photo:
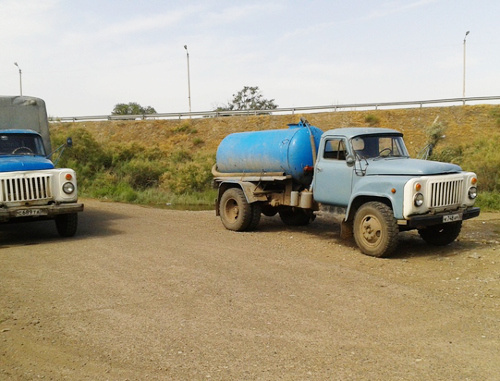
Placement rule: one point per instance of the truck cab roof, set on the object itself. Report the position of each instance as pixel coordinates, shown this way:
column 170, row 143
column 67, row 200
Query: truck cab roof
column 351, row 132
column 18, row 131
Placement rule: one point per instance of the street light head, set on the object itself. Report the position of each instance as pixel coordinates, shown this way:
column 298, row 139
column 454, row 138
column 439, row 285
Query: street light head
column 186, row 47
column 15, row 63
column 466, row 33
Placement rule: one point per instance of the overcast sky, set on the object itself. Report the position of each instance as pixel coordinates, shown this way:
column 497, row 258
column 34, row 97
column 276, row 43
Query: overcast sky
column 83, row 57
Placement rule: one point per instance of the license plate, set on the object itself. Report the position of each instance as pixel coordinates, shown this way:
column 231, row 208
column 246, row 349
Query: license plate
column 452, row 217
column 30, row 212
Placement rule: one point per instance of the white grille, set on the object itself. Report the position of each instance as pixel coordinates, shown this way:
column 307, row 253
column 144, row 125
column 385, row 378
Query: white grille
column 446, row 193
column 24, row 188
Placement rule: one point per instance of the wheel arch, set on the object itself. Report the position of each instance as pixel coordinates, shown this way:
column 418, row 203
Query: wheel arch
column 247, row 187
column 356, row 203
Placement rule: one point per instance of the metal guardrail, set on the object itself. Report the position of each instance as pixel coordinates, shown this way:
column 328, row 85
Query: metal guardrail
column 278, row 111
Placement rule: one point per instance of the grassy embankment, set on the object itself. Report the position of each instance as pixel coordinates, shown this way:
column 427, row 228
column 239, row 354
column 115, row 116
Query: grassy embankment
column 168, row 162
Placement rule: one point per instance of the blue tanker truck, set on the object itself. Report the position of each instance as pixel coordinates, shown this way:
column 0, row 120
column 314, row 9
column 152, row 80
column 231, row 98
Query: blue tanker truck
column 31, row 188
column 367, row 171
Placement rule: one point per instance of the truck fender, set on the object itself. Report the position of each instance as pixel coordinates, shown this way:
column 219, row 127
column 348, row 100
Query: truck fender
column 359, row 200
column 249, row 190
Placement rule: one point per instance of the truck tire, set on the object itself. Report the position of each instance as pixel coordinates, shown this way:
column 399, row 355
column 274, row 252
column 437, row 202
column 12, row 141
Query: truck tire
column 256, row 212
column 235, row 212
column 375, row 229
column 441, row 235
column 66, row 224
column 292, row 216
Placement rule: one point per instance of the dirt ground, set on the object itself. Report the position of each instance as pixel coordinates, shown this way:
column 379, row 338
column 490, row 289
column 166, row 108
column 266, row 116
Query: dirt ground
column 152, row 294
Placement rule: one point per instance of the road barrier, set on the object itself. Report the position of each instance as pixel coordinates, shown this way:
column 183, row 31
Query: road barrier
column 284, row 110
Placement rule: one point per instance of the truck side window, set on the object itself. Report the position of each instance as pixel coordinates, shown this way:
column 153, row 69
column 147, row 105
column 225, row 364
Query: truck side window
column 334, row 149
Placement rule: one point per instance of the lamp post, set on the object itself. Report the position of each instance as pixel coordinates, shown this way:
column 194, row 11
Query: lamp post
column 20, row 79
column 463, row 89
column 189, row 80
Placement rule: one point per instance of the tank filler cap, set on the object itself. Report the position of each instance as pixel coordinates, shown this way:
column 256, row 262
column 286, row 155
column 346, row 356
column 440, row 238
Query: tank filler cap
column 302, row 123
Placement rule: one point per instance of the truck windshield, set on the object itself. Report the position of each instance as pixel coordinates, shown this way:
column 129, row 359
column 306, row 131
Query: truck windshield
column 375, row 146
column 21, row 144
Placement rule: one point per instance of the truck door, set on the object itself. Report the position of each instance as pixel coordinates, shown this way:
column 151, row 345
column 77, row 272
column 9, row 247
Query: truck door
column 332, row 176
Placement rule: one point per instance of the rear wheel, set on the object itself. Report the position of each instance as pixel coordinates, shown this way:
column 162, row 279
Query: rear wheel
column 67, row 224
column 295, row 216
column 375, row 229
column 235, row 212
column 256, row 212
column 441, row 235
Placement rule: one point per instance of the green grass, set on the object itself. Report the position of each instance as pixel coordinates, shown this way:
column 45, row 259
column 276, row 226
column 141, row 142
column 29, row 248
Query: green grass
column 482, row 157
column 134, row 173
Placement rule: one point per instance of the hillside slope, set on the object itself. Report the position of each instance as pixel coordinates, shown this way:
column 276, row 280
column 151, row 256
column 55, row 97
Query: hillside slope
column 464, row 123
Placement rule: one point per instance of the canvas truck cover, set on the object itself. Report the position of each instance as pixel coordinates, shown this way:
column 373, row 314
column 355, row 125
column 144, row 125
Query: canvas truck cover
column 20, row 112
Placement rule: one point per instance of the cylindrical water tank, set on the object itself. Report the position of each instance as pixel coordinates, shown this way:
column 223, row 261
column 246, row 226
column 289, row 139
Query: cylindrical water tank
column 287, row 150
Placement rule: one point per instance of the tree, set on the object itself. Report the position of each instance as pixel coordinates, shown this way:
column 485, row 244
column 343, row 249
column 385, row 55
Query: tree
column 132, row 108
column 250, row 98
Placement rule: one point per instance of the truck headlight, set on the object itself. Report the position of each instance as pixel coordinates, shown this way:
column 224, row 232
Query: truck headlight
column 472, row 193
column 418, row 199
column 68, row 188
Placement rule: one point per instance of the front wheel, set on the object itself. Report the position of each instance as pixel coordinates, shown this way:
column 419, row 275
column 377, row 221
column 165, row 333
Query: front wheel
column 235, row 211
column 66, row 224
column 375, row 229
column 441, row 235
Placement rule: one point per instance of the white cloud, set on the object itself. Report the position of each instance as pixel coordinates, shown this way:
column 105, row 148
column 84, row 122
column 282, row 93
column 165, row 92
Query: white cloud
column 131, row 26
column 23, row 18
column 234, row 14
column 393, row 7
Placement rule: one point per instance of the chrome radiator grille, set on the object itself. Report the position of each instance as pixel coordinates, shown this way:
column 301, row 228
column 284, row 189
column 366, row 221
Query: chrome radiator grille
column 446, row 193
column 23, row 188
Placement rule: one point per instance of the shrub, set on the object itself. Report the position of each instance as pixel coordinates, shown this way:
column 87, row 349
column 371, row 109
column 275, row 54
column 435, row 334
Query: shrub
column 482, row 157
column 188, row 177
column 185, row 128
column 488, row 201
column 142, row 173
column 198, row 141
column 86, row 156
column 372, row 120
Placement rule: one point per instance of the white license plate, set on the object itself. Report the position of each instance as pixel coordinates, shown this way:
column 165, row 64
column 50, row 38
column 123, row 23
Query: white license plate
column 452, row 217
column 30, row 212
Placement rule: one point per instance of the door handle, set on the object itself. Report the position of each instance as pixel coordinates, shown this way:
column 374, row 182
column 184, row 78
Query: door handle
column 319, row 169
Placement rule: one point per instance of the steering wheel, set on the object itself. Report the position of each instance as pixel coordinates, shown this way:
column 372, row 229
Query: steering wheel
column 21, row 149
column 387, row 150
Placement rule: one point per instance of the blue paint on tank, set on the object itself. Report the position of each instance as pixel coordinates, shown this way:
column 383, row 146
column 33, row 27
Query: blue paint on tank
column 287, row 150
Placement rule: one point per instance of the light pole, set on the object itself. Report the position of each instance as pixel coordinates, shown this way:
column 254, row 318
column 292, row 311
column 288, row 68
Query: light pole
column 189, row 79
column 463, row 89
column 20, row 79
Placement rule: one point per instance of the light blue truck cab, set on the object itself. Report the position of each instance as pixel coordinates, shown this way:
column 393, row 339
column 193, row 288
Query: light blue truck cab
column 370, row 173
column 367, row 171
column 31, row 188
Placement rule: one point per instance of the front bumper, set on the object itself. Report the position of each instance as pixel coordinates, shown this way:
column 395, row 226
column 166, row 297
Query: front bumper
column 38, row 212
column 416, row 222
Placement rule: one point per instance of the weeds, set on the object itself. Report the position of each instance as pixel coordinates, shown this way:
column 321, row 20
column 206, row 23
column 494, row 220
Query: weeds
column 482, row 157
column 134, row 173
column 372, row 120
column 157, row 174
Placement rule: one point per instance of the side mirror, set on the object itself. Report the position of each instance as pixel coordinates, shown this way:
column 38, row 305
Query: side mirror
column 350, row 160
column 69, row 142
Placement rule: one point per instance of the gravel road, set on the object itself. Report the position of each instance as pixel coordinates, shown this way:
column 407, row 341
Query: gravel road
column 151, row 294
